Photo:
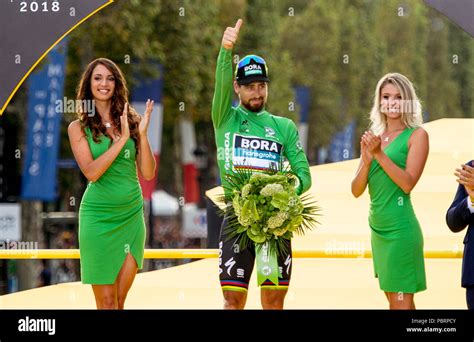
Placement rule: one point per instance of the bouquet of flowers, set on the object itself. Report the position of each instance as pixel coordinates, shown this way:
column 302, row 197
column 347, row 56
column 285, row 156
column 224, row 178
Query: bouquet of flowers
column 265, row 208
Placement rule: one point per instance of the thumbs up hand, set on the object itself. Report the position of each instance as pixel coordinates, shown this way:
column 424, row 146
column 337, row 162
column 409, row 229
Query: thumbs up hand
column 231, row 34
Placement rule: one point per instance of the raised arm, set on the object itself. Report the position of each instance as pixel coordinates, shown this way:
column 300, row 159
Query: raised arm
column 145, row 159
column 222, row 101
column 94, row 169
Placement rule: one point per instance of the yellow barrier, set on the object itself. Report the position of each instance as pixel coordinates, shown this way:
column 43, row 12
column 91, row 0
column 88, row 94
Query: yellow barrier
column 207, row 253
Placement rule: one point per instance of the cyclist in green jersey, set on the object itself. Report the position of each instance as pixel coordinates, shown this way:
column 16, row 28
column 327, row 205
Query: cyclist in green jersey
column 250, row 137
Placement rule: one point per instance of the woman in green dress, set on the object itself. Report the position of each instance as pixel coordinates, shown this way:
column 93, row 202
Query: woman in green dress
column 393, row 156
column 109, row 144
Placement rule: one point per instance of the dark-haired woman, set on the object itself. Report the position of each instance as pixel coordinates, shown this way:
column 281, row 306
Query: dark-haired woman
column 109, row 145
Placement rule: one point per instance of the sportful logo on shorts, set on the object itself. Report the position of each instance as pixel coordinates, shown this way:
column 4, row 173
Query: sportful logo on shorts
column 255, row 153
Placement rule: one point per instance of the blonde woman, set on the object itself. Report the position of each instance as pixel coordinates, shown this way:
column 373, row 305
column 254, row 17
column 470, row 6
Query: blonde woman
column 393, row 156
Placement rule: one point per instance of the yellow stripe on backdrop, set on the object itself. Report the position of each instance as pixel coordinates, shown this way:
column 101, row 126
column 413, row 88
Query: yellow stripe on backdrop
column 209, row 254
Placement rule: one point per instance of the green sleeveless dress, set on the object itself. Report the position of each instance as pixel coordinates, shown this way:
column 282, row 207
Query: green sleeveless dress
column 111, row 218
column 396, row 238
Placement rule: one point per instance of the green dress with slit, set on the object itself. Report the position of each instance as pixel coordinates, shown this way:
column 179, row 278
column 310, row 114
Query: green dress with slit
column 396, row 237
column 111, row 218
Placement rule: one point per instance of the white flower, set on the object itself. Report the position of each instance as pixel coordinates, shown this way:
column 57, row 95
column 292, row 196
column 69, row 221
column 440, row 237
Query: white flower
column 246, row 190
column 271, row 189
column 277, row 220
column 259, row 176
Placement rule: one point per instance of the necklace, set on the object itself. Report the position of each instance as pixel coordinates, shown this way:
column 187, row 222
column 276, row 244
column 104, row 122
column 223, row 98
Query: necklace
column 107, row 124
column 389, row 133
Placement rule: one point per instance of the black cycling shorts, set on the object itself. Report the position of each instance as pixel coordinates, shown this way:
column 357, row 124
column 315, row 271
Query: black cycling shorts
column 236, row 266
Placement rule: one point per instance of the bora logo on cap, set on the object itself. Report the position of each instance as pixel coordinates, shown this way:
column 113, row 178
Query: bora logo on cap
column 252, row 69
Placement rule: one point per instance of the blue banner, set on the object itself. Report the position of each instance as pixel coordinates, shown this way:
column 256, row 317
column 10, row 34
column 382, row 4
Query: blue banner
column 303, row 99
column 45, row 89
column 342, row 144
column 149, row 87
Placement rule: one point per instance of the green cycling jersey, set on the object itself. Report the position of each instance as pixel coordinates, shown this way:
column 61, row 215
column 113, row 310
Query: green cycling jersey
column 249, row 140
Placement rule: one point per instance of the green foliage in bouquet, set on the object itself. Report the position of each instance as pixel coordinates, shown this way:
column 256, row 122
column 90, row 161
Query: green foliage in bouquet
column 264, row 207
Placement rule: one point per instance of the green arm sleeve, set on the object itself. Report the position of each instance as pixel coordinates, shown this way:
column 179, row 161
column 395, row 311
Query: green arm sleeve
column 297, row 158
column 221, row 103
